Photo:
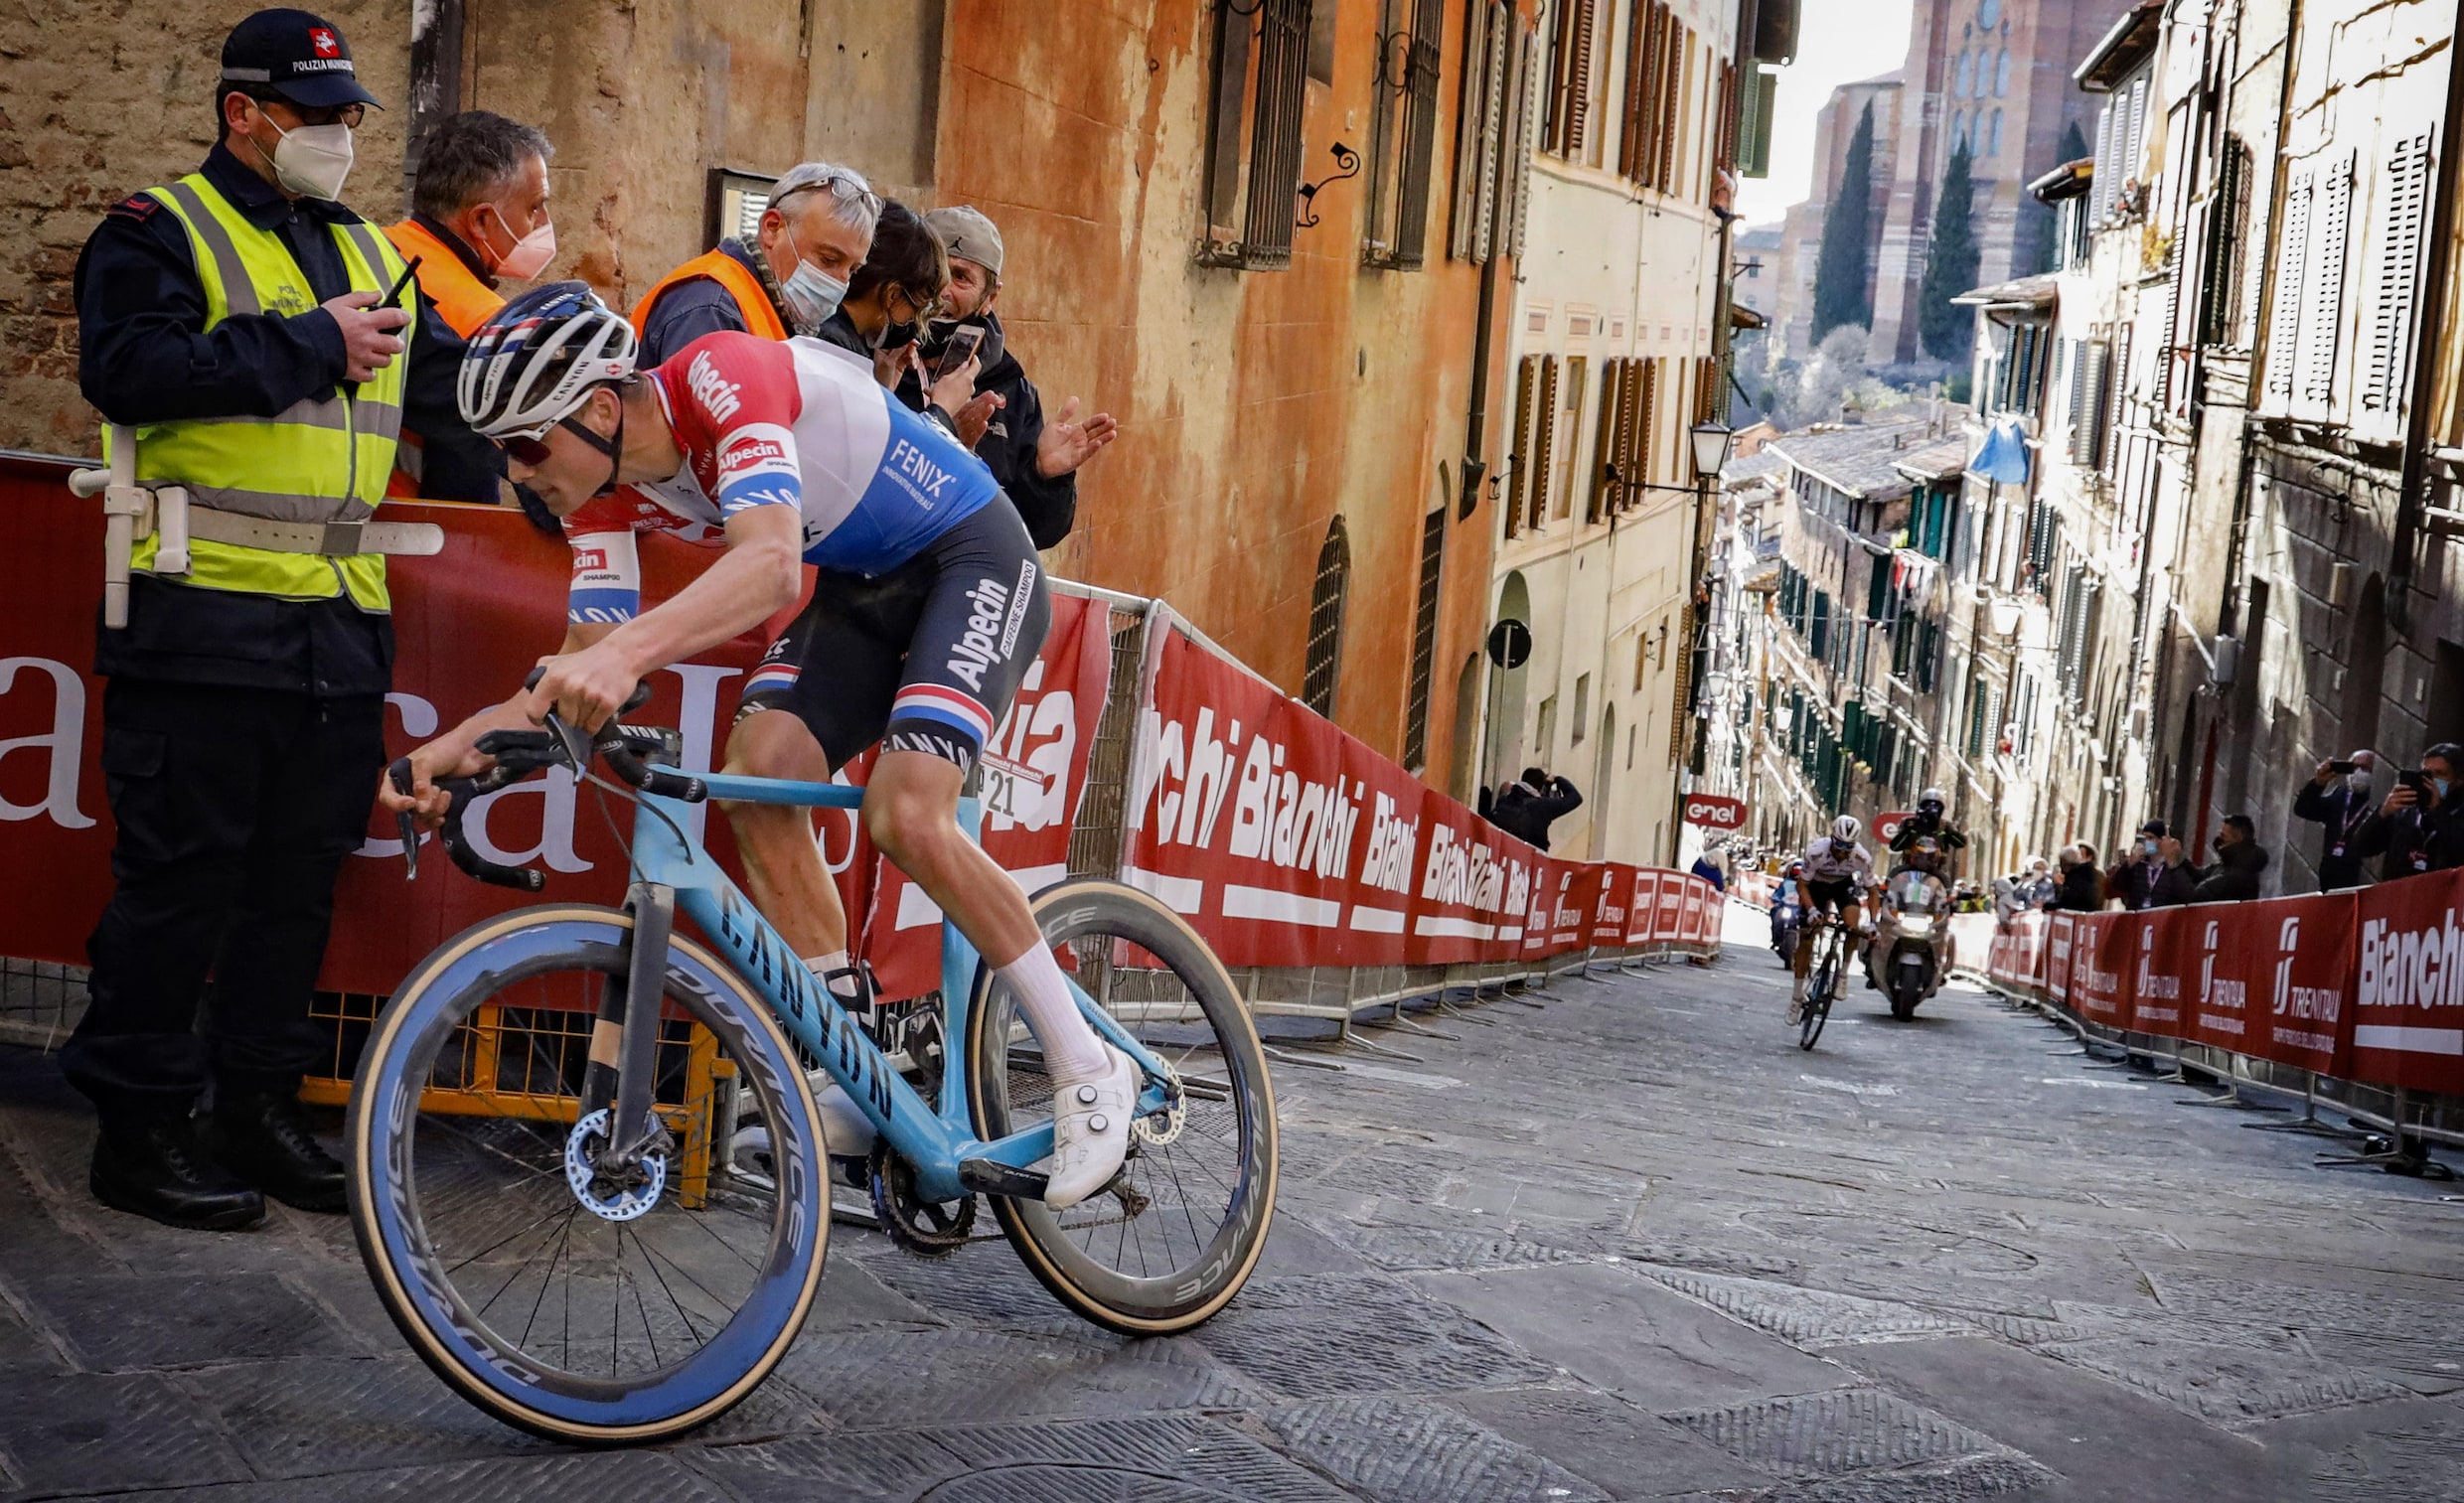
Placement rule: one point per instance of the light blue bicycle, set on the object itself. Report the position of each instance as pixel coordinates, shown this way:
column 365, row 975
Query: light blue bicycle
column 587, row 1175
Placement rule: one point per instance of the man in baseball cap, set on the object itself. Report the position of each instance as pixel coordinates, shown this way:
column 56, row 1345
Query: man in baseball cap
column 293, row 56
column 1037, row 461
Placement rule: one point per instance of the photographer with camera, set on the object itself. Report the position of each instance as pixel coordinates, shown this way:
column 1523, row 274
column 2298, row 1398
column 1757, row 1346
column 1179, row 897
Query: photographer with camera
column 2338, row 797
column 2420, row 827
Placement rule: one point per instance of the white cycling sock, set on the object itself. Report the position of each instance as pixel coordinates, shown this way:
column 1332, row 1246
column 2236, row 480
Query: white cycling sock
column 846, row 988
column 1071, row 1048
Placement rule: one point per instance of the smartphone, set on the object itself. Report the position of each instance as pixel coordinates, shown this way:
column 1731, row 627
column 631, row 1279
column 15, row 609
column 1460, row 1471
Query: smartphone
column 964, row 342
column 2416, row 780
column 2341, row 768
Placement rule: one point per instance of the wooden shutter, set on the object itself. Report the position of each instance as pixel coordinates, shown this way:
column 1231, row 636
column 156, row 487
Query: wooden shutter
column 2398, row 295
column 2081, row 407
column 2292, row 256
column 1724, row 153
column 2322, row 312
column 1519, row 162
column 1676, row 39
column 1581, row 16
column 1526, row 384
column 1639, row 19
column 1603, row 441
column 1632, row 446
column 2116, row 388
column 1470, row 124
column 1649, row 420
column 1543, row 440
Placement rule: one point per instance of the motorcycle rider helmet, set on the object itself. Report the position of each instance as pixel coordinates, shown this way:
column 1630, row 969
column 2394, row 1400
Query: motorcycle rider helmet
column 1930, row 802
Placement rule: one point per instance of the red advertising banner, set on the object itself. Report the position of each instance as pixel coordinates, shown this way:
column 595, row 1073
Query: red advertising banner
column 2409, row 983
column 2164, row 968
column 467, row 623
column 2101, row 955
column 1712, row 811
column 2061, row 940
column 1615, row 899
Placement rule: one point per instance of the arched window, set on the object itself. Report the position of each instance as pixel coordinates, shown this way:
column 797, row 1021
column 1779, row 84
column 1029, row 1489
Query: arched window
column 1989, row 11
column 1966, row 76
column 2002, row 74
column 1326, row 625
column 1958, row 131
column 1994, row 135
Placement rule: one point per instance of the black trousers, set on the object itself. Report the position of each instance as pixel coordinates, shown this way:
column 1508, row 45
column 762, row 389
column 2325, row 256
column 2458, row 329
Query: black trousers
column 236, row 808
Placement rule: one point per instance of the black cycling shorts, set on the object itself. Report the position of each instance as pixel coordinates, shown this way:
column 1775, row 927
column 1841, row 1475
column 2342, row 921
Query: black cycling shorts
column 1836, row 894
column 925, row 657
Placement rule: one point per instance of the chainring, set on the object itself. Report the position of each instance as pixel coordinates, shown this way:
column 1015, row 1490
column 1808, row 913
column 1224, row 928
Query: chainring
column 926, row 1228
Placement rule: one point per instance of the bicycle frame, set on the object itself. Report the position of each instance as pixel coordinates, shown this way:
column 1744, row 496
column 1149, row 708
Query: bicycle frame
column 672, row 871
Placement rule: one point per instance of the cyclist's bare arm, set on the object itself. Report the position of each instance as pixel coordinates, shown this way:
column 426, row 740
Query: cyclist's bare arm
column 761, row 575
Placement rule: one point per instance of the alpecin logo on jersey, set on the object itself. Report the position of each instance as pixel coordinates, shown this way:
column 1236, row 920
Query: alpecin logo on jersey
column 979, row 648
column 716, row 394
column 585, row 560
column 746, row 450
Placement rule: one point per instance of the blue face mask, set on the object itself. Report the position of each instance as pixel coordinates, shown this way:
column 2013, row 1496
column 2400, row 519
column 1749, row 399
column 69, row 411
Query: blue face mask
column 2441, row 785
column 812, row 294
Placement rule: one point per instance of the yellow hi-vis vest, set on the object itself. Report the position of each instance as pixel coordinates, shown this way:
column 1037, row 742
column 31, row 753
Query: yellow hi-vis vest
column 324, row 458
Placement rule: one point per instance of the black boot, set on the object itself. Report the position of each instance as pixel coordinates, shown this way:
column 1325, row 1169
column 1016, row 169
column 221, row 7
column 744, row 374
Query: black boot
column 262, row 1137
column 150, row 1163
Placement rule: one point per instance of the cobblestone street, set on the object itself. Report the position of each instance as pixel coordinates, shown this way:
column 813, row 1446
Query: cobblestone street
column 1623, row 1242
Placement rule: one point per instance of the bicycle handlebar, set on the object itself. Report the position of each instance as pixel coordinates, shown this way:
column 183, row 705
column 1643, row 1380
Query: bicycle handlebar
column 627, row 751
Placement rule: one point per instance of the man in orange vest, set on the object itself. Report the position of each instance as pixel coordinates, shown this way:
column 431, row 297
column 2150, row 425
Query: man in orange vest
column 811, row 237
column 479, row 216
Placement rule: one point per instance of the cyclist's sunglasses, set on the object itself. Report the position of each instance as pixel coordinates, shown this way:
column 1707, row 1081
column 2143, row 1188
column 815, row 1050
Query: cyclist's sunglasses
column 532, row 448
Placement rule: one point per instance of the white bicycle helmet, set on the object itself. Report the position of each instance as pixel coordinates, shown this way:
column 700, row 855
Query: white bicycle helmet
column 1846, row 828
column 537, row 358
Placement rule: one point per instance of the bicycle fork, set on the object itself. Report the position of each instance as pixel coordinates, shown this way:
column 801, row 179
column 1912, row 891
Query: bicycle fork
column 624, row 1041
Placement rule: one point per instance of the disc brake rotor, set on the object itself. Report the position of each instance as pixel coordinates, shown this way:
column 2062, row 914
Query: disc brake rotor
column 1174, row 1115
column 610, row 1197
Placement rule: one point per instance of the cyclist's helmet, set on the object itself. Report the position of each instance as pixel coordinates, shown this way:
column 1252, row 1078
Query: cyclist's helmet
column 537, row 358
column 1796, row 868
column 1845, row 828
column 1925, row 855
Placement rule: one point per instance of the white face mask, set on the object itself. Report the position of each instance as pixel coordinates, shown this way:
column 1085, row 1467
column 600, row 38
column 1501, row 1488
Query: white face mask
column 812, row 294
column 2357, row 780
column 530, row 256
column 313, row 160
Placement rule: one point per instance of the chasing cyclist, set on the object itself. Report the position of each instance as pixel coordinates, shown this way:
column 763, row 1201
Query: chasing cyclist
column 930, row 607
column 1837, row 872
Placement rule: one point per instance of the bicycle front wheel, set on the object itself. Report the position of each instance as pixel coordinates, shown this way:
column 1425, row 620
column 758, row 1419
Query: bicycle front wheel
column 1820, row 987
column 1176, row 1236
column 572, row 1305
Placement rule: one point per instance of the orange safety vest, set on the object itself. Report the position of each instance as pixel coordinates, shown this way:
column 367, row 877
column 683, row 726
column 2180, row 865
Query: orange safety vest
column 462, row 300
column 721, row 268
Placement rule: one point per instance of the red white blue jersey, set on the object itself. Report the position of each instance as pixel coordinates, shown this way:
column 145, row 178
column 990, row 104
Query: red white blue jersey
column 797, row 423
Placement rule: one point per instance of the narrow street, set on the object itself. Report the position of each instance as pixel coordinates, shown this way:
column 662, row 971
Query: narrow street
column 1627, row 1243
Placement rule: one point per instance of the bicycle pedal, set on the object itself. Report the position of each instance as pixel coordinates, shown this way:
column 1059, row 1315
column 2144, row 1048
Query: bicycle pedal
column 987, row 1176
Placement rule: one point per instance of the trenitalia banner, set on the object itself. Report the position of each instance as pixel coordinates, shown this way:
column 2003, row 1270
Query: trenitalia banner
column 1291, row 843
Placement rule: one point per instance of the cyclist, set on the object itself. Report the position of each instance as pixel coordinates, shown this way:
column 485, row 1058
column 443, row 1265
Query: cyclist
column 1836, row 873
column 932, row 606
column 1924, row 857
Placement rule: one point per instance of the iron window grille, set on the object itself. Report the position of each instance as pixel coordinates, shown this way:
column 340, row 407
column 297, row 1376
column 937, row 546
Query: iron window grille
column 1404, row 135
column 1424, row 639
column 1325, row 626
column 1258, row 85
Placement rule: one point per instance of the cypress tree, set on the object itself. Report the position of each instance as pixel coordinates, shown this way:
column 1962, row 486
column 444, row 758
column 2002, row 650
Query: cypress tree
column 1951, row 265
column 1839, row 270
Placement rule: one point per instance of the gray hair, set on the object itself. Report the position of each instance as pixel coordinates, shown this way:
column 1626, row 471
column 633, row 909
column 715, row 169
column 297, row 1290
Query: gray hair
column 467, row 157
column 853, row 202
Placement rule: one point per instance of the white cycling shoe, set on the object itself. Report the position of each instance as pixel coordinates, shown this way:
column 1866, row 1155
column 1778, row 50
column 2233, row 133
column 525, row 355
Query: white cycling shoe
column 1091, row 1130
column 845, row 1129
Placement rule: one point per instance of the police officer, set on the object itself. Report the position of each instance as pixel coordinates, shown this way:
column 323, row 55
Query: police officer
column 233, row 320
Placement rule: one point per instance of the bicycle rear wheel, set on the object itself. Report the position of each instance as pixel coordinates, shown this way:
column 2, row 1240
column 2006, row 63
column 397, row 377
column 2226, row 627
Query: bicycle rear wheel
column 562, row 1301
column 1177, row 1233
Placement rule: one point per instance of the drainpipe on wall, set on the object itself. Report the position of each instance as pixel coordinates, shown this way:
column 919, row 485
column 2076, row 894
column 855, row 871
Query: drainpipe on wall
column 2413, row 496
column 436, row 36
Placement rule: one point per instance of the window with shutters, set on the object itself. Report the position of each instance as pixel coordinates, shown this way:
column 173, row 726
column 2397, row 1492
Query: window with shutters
column 1544, row 421
column 1518, row 470
column 1257, row 84
column 1607, row 446
column 2092, row 396
column 2116, row 390
column 1638, row 126
column 1566, row 131
column 1569, row 438
column 1526, row 111
column 2292, row 256
column 1818, row 638
column 1480, row 127
column 1424, row 639
column 2322, row 303
column 1324, row 661
column 2404, row 220
column 1403, row 131
column 2228, row 228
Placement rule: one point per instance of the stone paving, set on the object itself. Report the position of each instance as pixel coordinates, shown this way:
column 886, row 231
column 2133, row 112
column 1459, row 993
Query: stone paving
column 1628, row 1243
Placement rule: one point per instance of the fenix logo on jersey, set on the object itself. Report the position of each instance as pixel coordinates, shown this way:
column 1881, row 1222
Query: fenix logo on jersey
column 718, row 396
column 923, row 475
